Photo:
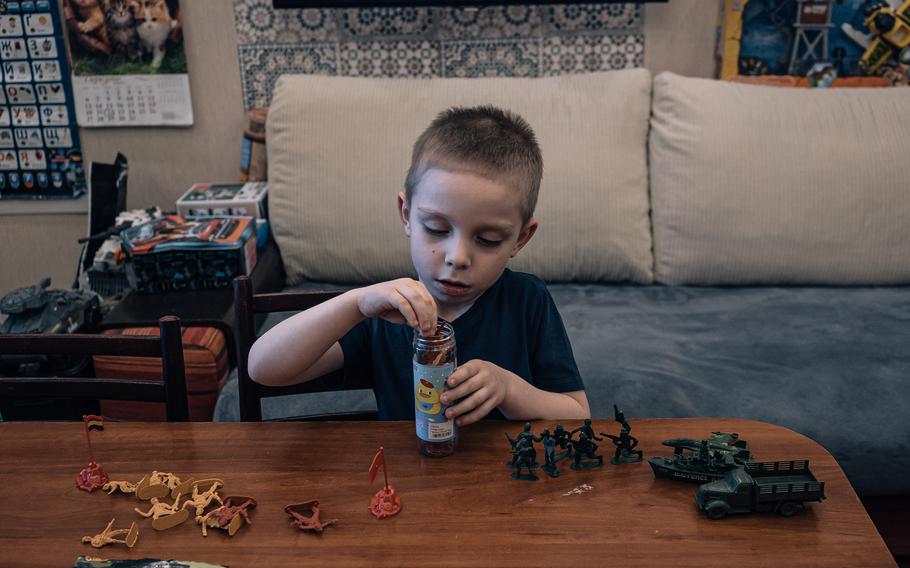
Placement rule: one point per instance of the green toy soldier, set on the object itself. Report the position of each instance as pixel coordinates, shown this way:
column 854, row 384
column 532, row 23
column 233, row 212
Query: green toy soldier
column 525, row 438
column 514, row 444
column 620, row 417
column 527, row 435
column 525, row 458
column 564, row 441
column 586, row 429
column 625, row 447
column 625, row 442
column 585, row 456
column 549, row 446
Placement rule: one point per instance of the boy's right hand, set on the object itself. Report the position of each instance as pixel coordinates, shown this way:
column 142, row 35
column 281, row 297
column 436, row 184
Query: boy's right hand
column 400, row 301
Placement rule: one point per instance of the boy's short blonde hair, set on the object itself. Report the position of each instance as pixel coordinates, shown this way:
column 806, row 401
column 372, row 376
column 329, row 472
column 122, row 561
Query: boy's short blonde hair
column 483, row 140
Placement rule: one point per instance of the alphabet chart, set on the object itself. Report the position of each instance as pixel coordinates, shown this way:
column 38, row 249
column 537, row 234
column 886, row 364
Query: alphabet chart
column 40, row 156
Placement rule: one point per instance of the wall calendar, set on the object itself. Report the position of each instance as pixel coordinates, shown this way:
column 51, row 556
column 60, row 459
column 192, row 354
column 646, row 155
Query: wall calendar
column 40, row 156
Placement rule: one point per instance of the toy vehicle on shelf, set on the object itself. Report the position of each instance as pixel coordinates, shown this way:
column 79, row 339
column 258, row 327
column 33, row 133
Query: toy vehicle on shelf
column 37, row 309
column 781, row 486
column 890, row 34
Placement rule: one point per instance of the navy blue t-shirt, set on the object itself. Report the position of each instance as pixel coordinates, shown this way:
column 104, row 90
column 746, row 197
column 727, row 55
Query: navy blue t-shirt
column 514, row 325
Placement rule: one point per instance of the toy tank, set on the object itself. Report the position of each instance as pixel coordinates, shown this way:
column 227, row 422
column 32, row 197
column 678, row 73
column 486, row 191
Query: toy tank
column 36, row 309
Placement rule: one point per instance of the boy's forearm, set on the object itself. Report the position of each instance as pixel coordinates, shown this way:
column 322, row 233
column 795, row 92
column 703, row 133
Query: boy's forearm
column 287, row 350
column 524, row 401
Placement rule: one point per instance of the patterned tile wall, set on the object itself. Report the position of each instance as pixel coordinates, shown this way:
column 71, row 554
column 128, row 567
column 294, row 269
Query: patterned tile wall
column 513, row 41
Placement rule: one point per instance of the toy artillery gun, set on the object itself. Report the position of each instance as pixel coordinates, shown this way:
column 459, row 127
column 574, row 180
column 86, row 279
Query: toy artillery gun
column 702, row 460
column 36, row 309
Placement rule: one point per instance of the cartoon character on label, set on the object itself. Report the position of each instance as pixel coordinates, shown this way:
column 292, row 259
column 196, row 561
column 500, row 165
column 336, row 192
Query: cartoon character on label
column 427, row 398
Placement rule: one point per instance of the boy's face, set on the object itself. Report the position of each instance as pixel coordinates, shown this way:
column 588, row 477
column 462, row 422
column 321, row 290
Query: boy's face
column 463, row 230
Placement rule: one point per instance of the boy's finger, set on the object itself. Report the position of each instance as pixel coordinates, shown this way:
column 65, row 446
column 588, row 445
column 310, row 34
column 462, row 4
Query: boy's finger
column 451, row 396
column 431, row 302
column 432, row 309
column 477, row 414
column 468, row 404
column 461, row 374
column 425, row 312
column 404, row 307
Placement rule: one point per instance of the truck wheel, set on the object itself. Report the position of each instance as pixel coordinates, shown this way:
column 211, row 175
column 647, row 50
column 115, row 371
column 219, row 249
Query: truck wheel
column 789, row 508
column 716, row 510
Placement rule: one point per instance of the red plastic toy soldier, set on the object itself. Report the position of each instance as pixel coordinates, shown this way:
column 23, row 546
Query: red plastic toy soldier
column 229, row 516
column 386, row 502
column 305, row 523
column 92, row 476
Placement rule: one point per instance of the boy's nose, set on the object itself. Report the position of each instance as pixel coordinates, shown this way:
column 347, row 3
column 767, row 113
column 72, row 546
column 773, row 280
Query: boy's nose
column 458, row 257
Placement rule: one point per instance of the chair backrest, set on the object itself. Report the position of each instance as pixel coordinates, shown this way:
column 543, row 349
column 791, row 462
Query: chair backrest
column 251, row 393
column 169, row 346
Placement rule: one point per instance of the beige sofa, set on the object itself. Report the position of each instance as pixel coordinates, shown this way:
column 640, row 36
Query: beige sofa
column 715, row 249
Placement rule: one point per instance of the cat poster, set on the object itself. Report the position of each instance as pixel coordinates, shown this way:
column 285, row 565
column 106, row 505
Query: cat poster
column 128, row 62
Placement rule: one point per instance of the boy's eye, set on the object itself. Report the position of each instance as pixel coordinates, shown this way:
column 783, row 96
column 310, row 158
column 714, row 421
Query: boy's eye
column 432, row 231
column 488, row 242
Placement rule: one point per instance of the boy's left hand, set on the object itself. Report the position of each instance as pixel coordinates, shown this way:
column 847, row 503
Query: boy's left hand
column 480, row 385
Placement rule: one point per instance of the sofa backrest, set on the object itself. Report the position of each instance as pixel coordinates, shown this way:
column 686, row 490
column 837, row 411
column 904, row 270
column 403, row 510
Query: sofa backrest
column 748, row 184
column 769, row 185
column 339, row 149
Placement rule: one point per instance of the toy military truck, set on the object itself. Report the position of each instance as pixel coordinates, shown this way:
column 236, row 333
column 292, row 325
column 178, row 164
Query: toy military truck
column 781, row 487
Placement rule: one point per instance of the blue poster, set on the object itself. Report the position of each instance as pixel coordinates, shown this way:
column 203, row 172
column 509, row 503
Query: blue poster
column 855, row 37
column 40, row 156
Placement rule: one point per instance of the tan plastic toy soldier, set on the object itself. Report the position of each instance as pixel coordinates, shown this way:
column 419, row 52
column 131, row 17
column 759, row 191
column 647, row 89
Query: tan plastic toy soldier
column 122, row 486
column 159, row 484
column 107, row 536
column 204, row 499
column 165, row 516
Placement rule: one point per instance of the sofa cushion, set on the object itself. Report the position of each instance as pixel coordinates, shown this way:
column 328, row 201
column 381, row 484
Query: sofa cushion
column 339, row 149
column 206, row 367
column 769, row 185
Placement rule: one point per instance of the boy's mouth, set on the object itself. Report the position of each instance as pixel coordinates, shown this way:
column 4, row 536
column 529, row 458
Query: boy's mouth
column 453, row 287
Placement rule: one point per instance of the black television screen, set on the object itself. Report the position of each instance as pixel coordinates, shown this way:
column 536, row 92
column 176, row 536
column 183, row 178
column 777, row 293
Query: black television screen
column 464, row 3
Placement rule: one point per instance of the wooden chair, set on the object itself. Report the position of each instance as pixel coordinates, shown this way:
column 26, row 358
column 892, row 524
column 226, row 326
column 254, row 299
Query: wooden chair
column 251, row 393
column 171, row 390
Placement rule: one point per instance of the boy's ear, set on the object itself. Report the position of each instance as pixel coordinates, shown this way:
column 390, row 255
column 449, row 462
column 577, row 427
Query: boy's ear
column 404, row 212
column 526, row 233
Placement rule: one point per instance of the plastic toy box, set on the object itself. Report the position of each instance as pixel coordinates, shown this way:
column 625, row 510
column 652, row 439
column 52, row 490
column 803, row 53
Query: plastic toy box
column 207, row 199
column 174, row 253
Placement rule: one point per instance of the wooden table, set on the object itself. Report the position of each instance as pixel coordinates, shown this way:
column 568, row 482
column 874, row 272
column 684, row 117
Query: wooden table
column 462, row 510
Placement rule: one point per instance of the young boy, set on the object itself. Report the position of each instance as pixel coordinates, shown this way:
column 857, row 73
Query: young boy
column 467, row 209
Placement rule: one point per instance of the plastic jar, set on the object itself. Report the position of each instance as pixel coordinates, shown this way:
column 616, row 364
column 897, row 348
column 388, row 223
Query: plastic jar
column 434, row 361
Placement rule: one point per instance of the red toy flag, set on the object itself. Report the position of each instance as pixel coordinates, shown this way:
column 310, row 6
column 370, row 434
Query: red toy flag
column 386, row 502
column 378, row 461
column 93, row 422
column 92, row 476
